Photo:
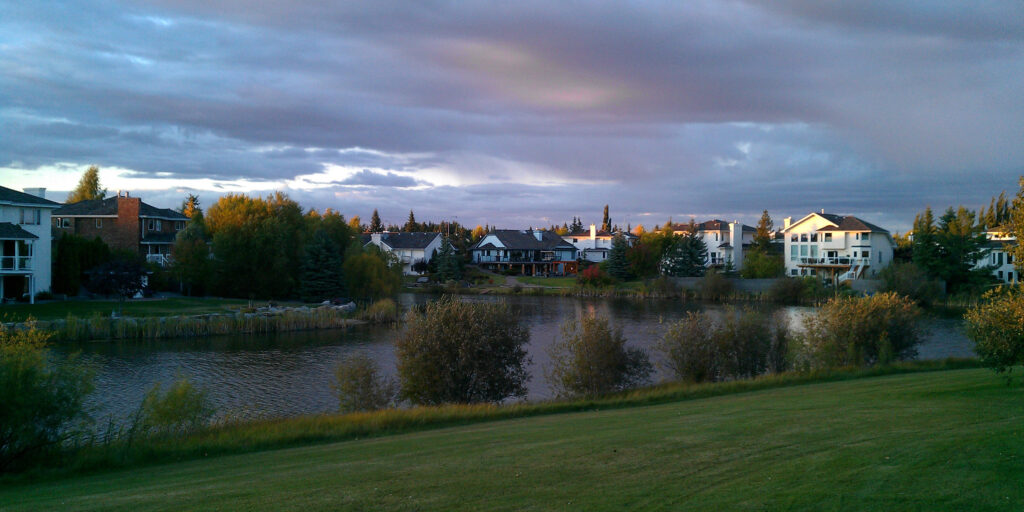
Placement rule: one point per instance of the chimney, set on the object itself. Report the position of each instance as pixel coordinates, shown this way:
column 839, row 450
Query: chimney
column 593, row 231
column 375, row 238
column 36, row 191
column 539, row 235
column 823, row 211
column 786, row 222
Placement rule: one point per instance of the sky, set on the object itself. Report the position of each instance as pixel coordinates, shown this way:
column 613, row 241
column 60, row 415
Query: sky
column 524, row 113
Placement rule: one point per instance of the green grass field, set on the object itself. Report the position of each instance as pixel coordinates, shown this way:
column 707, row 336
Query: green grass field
column 142, row 307
column 944, row 440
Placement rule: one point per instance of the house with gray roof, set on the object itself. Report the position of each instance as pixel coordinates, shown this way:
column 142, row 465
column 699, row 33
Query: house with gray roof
column 409, row 248
column 123, row 222
column 726, row 241
column 25, row 243
column 838, row 248
column 530, row 252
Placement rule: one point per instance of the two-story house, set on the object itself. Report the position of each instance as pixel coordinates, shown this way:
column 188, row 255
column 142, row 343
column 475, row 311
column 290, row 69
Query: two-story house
column 409, row 248
column 595, row 245
column 25, row 243
column 123, row 222
column 839, row 248
column 530, row 252
column 999, row 256
column 725, row 241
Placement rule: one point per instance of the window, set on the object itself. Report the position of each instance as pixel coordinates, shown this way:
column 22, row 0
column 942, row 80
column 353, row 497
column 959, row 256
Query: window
column 792, row 252
column 864, row 236
column 865, row 254
column 814, row 237
column 179, row 225
column 1009, row 259
column 794, row 238
column 814, row 251
column 803, row 250
column 828, row 237
column 99, row 223
column 803, row 237
column 879, row 257
column 1009, row 277
column 63, row 222
column 792, row 272
column 999, row 258
column 30, row 216
column 1000, row 275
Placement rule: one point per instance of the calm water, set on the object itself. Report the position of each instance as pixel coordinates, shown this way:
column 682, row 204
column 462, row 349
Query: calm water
column 291, row 374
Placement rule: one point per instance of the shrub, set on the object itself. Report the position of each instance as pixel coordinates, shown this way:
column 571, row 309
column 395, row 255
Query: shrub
column 860, row 331
column 462, row 352
column 742, row 345
column 182, row 409
column 715, row 286
column 997, row 328
column 594, row 276
column 911, row 281
column 794, row 290
column 39, row 401
column 361, row 387
column 384, row 310
column 591, row 358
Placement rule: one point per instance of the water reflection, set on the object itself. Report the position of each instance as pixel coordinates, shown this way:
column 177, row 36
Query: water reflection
column 291, row 374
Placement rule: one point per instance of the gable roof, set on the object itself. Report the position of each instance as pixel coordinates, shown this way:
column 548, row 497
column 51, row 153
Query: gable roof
column 712, row 225
column 10, row 231
column 842, row 223
column 519, row 240
column 599, row 234
column 108, row 207
column 417, row 240
column 11, row 196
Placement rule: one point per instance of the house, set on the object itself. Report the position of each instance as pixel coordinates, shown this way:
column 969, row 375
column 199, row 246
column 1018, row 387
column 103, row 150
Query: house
column 530, row 252
column 123, row 222
column 726, row 241
column 595, row 245
column 25, row 243
column 840, row 248
column 409, row 248
column 999, row 256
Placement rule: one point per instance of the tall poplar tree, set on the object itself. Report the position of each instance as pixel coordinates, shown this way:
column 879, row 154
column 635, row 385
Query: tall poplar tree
column 88, row 187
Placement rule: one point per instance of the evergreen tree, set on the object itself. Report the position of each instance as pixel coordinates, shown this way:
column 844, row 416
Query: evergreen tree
column 961, row 242
column 191, row 206
column 686, row 254
column 321, row 269
column 449, row 266
column 617, row 264
column 606, row 224
column 410, row 225
column 88, row 187
column 1015, row 222
column 376, row 226
column 765, row 233
column 925, row 247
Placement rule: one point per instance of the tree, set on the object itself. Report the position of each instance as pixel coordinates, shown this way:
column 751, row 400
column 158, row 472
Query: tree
column 591, row 358
column 606, row 223
column 321, row 269
column 761, row 265
column 765, row 233
column 449, row 266
column 360, row 386
column 190, row 207
column 911, row 281
column 925, row 248
column 121, row 277
column 1016, row 227
column 40, row 402
column 88, row 187
column 960, row 244
column 190, row 256
column 410, row 225
column 462, row 352
column 73, row 256
column 618, row 265
column 372, row 274
column 997, row 328
column 376, row 226
column 686, row 255
column 356, row 224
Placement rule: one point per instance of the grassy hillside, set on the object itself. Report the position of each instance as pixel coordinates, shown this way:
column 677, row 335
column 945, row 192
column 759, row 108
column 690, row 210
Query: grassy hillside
column 949, row 440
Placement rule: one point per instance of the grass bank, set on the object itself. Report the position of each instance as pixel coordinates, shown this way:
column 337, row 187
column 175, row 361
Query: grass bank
column 58, row 310
column 911, row 440
column 281, row 433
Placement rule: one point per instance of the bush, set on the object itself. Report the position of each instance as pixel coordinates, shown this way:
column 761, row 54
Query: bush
column 742, row 345
column 39, row 401
column 851, row 331
column 384, row 310
column 715, row 286
column 361, row 387
column 794, row 290
column 462, row 352
column 182, row 409
column 591, row 358
column 997, row 328
column 911, row 281
column 594, row 276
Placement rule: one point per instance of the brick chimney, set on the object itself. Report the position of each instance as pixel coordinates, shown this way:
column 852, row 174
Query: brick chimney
column 129, row 228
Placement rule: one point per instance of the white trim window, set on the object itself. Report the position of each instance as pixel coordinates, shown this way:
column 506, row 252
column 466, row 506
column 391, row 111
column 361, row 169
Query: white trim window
column 31, row 216
column 99, row 223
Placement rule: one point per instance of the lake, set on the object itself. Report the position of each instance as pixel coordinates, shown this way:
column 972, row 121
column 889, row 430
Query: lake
column 291, row 374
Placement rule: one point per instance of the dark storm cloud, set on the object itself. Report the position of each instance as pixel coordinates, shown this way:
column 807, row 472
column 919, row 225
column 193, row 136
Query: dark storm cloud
column 539, row 110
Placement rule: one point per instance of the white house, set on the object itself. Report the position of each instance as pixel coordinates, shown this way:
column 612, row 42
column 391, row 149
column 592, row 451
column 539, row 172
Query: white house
column 999, row 256
column 25, row 243
column 409, row 248
column 529, row 252
column 837, row 247
column 595, row 245
column 725, row 241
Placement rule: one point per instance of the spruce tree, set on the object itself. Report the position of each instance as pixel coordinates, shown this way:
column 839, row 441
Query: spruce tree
column 321, row 269
column 618, row 266
column 763, row 237
column 410, row 225
column 376, row 226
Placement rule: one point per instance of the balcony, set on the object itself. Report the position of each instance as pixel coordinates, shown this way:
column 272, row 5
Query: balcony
column 841, row 261
column 15, row 263
column 160, row 259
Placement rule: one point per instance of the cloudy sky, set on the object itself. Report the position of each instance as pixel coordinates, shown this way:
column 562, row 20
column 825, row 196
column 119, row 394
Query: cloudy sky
column 521, row 113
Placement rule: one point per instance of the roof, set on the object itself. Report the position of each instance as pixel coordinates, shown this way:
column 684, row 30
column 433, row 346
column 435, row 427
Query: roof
column 416, row 240
column 11, row 196
column 845, row 223
column 10, row 231
column 608, row 234
column 515, row 239
column 712, row 225
column 108, row 206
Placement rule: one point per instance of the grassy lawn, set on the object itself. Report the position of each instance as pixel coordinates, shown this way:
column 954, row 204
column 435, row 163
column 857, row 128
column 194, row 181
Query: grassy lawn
column 948, row 440
column 553, row 282
column 142, row 307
